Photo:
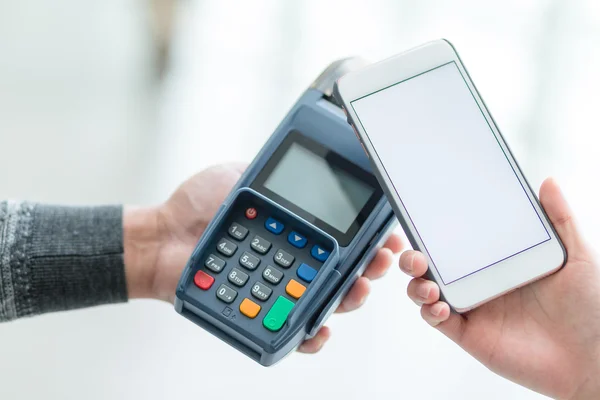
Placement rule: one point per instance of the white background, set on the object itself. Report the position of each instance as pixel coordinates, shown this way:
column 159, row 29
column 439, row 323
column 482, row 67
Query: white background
column 83, row 120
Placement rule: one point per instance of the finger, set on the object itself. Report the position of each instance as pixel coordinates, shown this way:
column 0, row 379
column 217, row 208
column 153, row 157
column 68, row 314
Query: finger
column 436, row 313
column 394, row 243
column 315, row 344
column 413, row 263
column 356, row 296
column 422, row 291
column 560, row 215
column 380, row 264
column 439, row 316
column 239, row 166
column 450, row 324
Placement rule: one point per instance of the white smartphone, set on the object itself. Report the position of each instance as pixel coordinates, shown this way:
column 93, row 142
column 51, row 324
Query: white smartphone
column 449, row 175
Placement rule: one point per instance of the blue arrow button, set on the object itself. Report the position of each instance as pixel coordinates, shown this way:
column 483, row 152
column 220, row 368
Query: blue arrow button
column 296, row 239
column 273, row 226
column 319, row 253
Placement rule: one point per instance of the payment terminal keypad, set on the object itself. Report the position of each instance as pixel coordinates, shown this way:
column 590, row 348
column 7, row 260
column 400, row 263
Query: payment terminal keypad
column 259, row 266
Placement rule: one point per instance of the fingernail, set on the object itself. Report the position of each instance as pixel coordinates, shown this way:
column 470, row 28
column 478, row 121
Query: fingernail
column 320, row 346
column 359, row 303
column 423, row 291
column 362, row 301
column 437, row 309
column 408, row 267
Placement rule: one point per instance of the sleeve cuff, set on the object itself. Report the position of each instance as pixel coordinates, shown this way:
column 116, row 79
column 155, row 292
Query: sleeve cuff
column 64, row 258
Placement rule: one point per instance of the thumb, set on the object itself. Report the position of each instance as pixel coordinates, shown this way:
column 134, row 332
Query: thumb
column 562, row 218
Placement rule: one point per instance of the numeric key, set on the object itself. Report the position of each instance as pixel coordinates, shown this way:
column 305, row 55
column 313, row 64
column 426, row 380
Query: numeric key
column 261, row 291
column 237, row 277
column 283, row 258
column 248, row 261
column 226, row 247
column 260, row 245
column 226, row 294
column 214, row 263
column 237, row 231
column 273, row 275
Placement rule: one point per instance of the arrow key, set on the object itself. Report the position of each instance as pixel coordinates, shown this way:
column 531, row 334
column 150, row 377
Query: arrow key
column 319, row 253
column 273, row 226
column 296, row 239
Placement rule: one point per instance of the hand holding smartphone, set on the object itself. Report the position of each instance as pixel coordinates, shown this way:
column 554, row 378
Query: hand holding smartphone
column 450, row 176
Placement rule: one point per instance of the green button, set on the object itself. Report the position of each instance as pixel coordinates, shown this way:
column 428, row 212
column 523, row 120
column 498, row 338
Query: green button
column 277, row 315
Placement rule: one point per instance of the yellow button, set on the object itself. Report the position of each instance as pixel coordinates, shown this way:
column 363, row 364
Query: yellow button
column 249, row 308
column 295, row 289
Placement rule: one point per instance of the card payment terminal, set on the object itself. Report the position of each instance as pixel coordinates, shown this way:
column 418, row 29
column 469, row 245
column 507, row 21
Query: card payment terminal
column 298, row 228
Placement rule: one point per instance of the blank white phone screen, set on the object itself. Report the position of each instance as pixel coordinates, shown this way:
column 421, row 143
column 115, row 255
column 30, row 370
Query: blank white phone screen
column 450, row 172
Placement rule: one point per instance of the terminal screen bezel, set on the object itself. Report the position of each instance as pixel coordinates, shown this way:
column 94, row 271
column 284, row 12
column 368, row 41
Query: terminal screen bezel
column 336, row 161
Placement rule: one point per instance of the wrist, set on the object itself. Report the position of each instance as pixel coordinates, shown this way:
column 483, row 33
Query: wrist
column 141, row 245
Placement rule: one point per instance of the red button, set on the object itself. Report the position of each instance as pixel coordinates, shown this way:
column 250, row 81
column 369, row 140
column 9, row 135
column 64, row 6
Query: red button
column 251, row 213
column 203, row 280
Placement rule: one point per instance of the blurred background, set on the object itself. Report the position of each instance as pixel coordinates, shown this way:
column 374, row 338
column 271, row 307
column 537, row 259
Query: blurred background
column 119, row 101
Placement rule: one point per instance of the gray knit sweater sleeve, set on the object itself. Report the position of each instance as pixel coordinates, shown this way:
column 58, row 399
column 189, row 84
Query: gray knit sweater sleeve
column 59, row 258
